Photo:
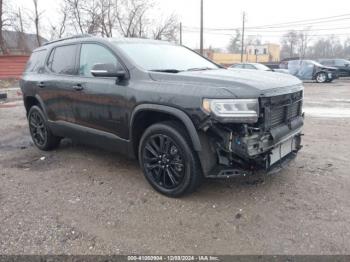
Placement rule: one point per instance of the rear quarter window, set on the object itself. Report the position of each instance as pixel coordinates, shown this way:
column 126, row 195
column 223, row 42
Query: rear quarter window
column 62, row 60
column 36, row 62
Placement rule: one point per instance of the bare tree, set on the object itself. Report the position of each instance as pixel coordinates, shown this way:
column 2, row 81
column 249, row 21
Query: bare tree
column 109, row 13
column 36, row 19
column 58, row 30
column 167, row 29
column 2, row 42
column 19, row 24
column 304, row 40
column 5, row 22
column 290, row 44
column 235, row 42
column 132, row 17
column 84, row 15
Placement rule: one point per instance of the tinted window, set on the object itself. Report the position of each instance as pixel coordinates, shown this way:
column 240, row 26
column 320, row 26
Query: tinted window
column 92, row 54
column 327, row 62
column 36, row 61
column 62, row 60
column 341, row 62
column 164, row 56
column 237, row 66
column 246, row 66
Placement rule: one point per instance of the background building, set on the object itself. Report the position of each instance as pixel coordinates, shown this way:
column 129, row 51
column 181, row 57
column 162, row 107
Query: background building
column 266, row 53
column 18, row 48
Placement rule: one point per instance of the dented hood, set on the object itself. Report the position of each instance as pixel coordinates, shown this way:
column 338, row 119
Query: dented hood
column 241, row 83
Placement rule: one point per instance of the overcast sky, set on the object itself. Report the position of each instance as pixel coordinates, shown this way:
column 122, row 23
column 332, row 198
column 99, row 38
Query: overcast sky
column 228, row 14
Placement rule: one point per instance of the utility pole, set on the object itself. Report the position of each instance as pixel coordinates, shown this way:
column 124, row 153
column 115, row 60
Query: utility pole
column 180, row 33
column 242, row 42
column 201, row 31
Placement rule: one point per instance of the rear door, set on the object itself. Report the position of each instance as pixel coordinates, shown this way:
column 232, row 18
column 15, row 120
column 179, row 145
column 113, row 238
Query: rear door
column 57, row 89
column 101, row 101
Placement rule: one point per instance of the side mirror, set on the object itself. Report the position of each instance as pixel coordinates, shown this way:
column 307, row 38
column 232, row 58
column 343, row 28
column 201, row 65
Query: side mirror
column 107, row 70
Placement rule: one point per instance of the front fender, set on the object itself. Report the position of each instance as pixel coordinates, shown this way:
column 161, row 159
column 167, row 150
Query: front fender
column 182, row 116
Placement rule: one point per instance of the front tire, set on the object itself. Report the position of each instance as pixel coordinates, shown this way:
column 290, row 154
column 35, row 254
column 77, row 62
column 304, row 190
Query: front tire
column 168, row 161
column 321, row 77
column 39, row 130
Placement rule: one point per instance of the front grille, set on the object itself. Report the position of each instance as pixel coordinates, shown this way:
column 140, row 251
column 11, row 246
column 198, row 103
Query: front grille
column 280, row 110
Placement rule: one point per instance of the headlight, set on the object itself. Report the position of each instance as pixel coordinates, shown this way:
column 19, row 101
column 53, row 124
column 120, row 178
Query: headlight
column 233, row 110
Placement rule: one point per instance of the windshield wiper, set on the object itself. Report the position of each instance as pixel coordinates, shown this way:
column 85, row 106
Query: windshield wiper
column 200, row 69
column 174, row 71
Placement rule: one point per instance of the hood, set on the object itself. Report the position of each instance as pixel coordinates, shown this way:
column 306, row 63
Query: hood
column 240, row 82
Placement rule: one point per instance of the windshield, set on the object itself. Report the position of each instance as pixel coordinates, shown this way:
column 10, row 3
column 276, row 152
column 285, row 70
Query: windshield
column 165, row 57
column 262, row 67
column 313, row 62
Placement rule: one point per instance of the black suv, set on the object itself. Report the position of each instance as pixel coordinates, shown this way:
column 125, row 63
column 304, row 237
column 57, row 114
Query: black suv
column 182, row 116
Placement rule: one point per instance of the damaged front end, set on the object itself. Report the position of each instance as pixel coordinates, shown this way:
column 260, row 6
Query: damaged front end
column 233, row 149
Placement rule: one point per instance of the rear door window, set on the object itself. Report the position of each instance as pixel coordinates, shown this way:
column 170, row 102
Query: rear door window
column 36, row 61
column 62, row 60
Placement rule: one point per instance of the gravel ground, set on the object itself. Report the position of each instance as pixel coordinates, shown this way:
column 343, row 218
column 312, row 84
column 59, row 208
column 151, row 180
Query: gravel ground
column 81, row 200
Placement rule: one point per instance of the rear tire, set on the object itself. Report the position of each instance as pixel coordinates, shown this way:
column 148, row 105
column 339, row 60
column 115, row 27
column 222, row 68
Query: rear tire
column 39, row 130
column 168, row 161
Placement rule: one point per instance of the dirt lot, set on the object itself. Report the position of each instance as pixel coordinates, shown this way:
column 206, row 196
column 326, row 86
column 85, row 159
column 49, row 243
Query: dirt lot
column 80, row 200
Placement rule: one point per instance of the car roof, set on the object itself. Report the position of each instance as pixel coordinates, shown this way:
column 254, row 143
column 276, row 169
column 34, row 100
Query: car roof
column 87, row 38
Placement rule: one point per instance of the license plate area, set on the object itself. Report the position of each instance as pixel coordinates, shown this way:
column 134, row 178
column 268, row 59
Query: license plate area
column 282, row 150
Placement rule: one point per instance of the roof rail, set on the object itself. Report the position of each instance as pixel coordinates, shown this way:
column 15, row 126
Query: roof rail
column 67, row 38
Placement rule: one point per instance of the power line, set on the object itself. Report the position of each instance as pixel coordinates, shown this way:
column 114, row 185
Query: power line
column 284, row 25
column 302, row 30
column 263, row 35
column 301, row 24
column 305, row 20
column 278, row 31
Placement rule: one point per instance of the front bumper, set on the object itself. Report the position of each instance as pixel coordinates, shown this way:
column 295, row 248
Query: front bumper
column 266, row 152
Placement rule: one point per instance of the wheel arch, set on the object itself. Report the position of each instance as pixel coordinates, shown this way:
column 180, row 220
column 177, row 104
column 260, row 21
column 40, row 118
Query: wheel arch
column 30, row 101
column 163, row 112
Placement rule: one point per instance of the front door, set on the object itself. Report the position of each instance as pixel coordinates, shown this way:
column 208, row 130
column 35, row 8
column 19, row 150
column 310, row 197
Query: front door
column 99, row 102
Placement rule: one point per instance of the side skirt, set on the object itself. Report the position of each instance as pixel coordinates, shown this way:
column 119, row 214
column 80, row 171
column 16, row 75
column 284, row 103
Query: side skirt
column 93, row 137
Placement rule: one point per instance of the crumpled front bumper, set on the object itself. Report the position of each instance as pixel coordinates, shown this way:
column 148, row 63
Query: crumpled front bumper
column 266, row 152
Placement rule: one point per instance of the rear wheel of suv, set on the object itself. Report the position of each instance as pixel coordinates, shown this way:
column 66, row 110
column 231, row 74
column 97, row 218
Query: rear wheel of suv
column 168, row 161
column 40, row 132
column 321, row 77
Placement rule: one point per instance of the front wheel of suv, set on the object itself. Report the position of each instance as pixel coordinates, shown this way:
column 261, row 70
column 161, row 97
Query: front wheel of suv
column 40, row 132
column 168, row 161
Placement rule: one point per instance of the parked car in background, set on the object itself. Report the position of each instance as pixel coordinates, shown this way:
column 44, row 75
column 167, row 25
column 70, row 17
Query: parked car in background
column 342, row 65
column 311, row 70
column 257, row 66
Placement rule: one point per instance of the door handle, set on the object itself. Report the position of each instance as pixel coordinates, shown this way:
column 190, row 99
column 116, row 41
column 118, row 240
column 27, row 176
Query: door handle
column 78, row 87
column 41, row 85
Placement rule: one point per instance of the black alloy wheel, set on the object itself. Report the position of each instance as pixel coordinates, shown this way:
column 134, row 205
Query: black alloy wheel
column 164, row 161
column 40, row 132
column 37, row 128
column 168, row 161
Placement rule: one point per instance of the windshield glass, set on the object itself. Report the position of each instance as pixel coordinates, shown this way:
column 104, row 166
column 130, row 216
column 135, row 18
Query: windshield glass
column 313, row 62
column 171, row 58
column 262, row 67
